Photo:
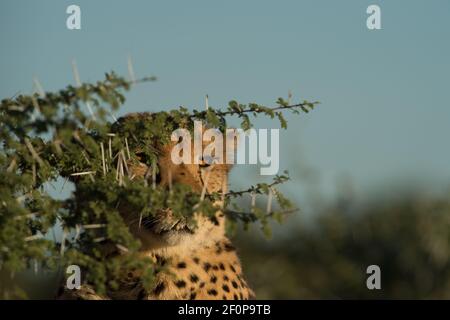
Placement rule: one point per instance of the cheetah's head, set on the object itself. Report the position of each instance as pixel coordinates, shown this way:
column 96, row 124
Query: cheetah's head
column 164, row 229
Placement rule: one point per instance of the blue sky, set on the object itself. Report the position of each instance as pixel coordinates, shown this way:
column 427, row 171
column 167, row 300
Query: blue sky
column 385, row 94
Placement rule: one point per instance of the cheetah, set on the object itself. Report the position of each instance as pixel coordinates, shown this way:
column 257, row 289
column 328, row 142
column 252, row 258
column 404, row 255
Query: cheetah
column 199, row 263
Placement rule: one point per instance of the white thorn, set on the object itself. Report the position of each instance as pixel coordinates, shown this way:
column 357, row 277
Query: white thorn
column 128, row 149
column 34, row 237
column 77, row 232
column 140, row 220
column 269, row 201
column 131, row 70
column 63, row 242
column 36, row 266
column 76, row 75
column 113, row 116
column 122, row 248
column 94, row 226
column 82, row 173
column 124, row 161
column 37, row 108
column 38, row 87
column 253, row 195
column 110, row 148
column 103, row 158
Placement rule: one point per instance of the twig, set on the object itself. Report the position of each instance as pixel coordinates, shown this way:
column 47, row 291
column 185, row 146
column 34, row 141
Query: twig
column 256, row 189
column 33, row 152
column 250, row 216
column 231, row 112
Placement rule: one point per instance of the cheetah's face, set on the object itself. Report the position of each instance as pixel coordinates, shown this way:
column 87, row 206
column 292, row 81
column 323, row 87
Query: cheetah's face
column 165, row 229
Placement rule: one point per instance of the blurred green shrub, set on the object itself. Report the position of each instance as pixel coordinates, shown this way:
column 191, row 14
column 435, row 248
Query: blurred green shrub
column 409, row 238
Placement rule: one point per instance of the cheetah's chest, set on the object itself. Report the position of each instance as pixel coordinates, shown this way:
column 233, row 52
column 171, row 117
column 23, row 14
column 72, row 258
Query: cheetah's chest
column 208, row 273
